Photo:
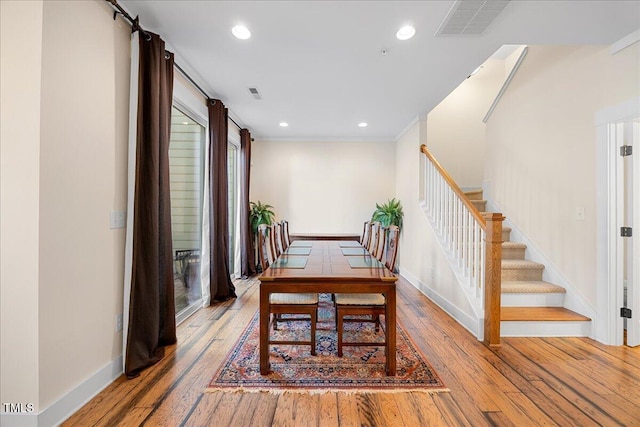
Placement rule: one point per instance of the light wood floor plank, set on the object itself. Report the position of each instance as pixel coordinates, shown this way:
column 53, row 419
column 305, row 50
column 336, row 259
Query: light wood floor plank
column 528, row 381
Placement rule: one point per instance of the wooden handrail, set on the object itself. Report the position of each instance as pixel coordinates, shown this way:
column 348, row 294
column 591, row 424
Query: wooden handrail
column 474, row 211
column 491, row 224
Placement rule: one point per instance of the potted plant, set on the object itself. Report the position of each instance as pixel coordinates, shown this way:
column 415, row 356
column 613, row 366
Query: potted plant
column 389, row 213
column 259, row 213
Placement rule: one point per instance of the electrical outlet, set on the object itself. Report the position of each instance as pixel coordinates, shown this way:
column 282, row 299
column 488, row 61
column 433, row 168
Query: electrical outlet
column 118, row 322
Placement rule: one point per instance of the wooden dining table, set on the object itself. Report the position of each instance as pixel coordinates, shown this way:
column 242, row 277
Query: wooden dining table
column 331, row 267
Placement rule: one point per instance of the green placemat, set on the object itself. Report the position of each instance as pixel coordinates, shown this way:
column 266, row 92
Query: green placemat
column 354, row 251
column 364, row 262
column 297, row 251
column 350, row 244
column 290, row 262
column 301, row 244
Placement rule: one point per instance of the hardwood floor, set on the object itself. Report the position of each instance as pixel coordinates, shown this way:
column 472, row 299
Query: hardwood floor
column 527, row 382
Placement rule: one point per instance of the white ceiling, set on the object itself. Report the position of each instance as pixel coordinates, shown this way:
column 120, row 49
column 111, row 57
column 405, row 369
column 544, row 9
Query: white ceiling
column 318, row 66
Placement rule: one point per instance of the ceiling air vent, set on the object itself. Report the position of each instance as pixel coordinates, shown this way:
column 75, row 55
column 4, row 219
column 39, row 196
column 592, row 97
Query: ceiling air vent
column 255, row 93
column 470, row 17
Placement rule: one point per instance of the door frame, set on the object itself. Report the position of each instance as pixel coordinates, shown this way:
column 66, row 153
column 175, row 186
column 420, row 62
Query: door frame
column 610, row 205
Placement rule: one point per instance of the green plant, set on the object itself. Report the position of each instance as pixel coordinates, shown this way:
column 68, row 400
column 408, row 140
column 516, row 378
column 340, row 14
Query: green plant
column 389, row 213
column 260, row 214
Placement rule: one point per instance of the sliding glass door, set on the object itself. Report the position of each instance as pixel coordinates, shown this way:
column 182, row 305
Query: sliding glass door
column 186, row 168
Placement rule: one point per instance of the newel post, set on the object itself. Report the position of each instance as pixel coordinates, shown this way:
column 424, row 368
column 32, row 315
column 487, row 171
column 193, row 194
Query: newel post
column 492, row 278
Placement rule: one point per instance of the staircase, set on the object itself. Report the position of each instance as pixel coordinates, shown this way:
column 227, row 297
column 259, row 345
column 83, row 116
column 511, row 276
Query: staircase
column 530, row 306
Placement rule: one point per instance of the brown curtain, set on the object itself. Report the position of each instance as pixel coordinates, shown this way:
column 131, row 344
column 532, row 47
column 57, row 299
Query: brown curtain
column 152, row 319
column 247, row 257
column 220, row 280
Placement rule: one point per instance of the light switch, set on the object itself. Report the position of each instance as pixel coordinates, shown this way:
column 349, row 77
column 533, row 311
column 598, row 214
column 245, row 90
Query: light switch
column 580, row 213
column 118, row 219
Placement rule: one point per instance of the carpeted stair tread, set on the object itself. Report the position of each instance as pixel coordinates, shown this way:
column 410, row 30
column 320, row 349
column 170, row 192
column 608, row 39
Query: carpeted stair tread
column 521, row 264
column 549, row 314
column 531, row 287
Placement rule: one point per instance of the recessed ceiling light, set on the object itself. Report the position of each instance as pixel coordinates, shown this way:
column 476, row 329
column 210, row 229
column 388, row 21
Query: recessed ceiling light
column 406, row 32
column 241, row 32
column 363, row 124
column 284, row 124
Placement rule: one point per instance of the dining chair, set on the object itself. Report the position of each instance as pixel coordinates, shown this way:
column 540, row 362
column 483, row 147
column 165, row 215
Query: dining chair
column 366, row 234
column 287, row 303
column 286, row 239
column 373, row 236
column 276, row 239
column 373, row 305
column 378, row 250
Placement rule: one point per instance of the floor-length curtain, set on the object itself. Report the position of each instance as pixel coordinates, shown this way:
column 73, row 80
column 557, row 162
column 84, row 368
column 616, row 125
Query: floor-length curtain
column 151, row 314
column 247, row 257
column 220, row 280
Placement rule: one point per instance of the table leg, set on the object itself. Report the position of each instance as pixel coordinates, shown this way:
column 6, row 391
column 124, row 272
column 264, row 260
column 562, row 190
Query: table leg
column 390, row 330
column 264, row 329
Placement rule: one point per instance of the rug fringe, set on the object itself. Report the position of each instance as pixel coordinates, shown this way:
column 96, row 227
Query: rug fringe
column 320, row 391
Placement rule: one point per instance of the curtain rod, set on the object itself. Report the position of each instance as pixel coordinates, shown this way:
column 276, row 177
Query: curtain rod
column 135, row 24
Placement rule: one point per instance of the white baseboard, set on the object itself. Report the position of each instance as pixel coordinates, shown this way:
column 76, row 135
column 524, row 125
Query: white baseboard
column 475, row 326
column 68, row 404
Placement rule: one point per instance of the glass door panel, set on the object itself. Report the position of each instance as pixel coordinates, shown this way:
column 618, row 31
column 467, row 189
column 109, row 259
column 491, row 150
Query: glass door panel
column 186, row 157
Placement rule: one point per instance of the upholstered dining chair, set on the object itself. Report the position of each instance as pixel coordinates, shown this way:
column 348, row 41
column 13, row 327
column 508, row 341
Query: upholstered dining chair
column 366, row 304
column 287, row 303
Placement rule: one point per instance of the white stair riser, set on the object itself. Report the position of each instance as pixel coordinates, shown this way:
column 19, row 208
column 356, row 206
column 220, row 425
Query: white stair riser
column 532, row 300
column 545, row 329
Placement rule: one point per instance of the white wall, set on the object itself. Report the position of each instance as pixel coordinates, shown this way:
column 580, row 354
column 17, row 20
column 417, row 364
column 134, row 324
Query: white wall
column 455, row 132
column 420, row 258
column 541, row 147
column 85, row 91
column 64, row 155
column 20, row 76
column 323, row 187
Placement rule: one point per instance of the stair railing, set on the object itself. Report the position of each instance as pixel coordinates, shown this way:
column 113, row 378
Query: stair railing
column 473, row 241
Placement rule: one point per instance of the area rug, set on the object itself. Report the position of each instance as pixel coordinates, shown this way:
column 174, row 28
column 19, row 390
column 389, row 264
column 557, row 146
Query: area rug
column 294, row 369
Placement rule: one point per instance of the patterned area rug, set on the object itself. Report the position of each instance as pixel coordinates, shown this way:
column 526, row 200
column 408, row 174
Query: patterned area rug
column 294, row 369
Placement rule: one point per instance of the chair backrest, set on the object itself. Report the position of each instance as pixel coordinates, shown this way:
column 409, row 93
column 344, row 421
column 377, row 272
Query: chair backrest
column 382, row 240
column 264, row 246
column 366, row 234
column 286, row 240
column 391, row 250
column 276, row 239
column 373, row 237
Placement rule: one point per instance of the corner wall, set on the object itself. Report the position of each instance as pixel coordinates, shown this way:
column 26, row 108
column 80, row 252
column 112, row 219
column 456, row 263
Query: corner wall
column 20, row 90
column 65, row 90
